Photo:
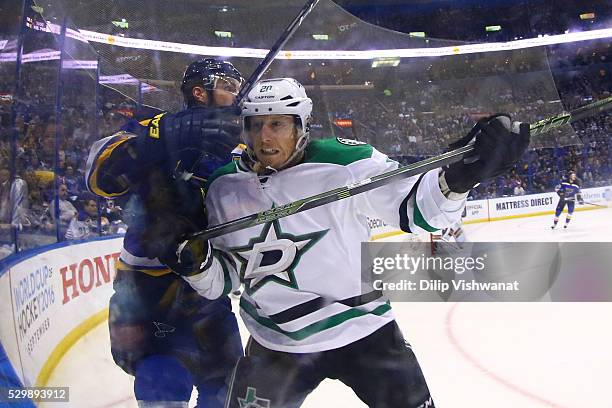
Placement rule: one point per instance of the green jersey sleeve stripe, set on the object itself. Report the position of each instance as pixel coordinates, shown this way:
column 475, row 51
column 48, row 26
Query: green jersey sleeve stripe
column 227, row 279
column 404, row 221
column 419, row 220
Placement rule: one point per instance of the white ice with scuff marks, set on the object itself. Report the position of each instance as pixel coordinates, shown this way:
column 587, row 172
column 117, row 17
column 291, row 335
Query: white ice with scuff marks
column 503, row 355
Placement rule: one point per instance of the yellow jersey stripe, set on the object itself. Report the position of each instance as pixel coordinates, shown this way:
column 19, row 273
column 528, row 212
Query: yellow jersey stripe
column 93, row 178
column 122, row 266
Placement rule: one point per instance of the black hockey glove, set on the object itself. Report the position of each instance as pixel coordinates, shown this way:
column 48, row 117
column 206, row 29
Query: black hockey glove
column 580, row 200
column 158, row 234
column 561, row 193
column 189, row 257
column 165, row 212
column 498, row 144
column 195, row 133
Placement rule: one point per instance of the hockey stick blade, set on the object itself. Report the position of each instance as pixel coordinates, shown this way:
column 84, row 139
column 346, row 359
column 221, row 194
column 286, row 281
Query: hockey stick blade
column 385, row 178
column 280, row 43
column 596, row 205
column 591, row 109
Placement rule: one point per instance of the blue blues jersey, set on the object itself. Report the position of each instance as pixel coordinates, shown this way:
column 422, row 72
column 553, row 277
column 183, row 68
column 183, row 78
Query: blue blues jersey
column 153, row 197
column 569, row 190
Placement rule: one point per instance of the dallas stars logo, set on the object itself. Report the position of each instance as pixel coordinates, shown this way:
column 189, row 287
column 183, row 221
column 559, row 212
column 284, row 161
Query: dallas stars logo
column 273, row 256
column 251, row 400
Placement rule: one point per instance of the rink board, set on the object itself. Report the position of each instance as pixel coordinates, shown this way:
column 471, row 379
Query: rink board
column 505, row 208
column 54, row 298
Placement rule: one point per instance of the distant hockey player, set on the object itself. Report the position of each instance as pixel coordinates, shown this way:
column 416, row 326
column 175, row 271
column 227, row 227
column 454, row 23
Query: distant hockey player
column 568, row 192
column 162, row 332
column 303, row 302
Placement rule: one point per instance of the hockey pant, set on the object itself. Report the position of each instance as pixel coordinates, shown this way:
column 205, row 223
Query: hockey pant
column 561, row 206
column 380, row 368
column 153, row 317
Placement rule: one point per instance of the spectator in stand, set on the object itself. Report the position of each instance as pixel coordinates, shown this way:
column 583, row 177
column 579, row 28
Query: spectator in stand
column 519, row 189
column 72, row 182
column 67, row 211
column 88, row 222
column 39, row 215
column 13, row 201
column 112, row 211
column 13, row 208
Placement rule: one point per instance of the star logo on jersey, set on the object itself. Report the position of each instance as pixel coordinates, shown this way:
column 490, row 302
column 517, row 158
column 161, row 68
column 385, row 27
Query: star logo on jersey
column 251, row 400
column 273, row 256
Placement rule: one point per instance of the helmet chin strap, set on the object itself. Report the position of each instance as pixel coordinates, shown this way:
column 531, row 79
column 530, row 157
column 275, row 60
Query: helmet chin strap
column 298, row 152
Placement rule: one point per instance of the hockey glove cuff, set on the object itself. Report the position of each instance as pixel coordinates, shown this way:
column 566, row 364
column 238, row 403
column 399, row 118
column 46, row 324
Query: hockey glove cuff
column 445, row 189
column 190, row 257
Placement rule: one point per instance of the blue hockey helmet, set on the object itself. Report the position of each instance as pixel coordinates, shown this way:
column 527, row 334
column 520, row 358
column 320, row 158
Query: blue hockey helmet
column 207, row 73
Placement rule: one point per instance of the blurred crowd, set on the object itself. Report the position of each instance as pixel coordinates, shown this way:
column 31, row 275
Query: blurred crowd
column 47, row 200
column 417, row 118
column 518, row 19
column 410, row 112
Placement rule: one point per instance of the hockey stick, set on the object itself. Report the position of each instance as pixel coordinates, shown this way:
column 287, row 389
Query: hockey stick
column 282, row 40
column 259, row 71
column 386, row 178
column 596, row 205
column 582, row 112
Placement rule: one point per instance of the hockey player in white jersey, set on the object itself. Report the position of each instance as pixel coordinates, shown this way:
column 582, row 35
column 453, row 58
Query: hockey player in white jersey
column 303, row 302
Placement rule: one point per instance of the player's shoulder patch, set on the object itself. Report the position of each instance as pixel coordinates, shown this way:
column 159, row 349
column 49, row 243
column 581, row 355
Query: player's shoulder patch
column 350, row 142
column 337, row 151
column 154, row 126
column 238, row 150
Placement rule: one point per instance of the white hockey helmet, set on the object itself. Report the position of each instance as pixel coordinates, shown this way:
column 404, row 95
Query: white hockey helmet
column 279, row 96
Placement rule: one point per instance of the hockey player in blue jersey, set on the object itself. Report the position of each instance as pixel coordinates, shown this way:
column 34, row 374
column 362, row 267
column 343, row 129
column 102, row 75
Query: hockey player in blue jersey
column 568, row 192
column 162, row 332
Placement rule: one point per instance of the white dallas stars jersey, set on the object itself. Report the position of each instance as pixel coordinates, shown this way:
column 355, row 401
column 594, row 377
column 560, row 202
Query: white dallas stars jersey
column 302, row 275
